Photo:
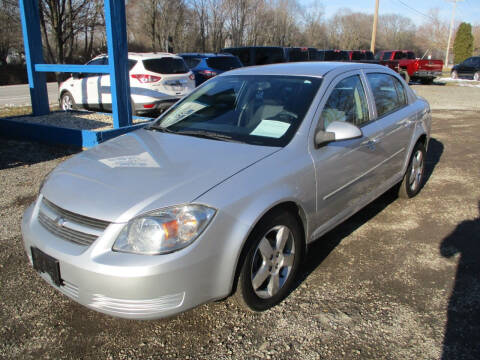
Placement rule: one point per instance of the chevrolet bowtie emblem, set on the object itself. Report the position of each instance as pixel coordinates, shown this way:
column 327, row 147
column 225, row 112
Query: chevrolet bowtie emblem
column 59, row 221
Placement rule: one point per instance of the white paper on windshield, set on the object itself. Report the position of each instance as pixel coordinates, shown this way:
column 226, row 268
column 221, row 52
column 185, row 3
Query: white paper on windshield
column 271, row 128
column 141, row 160
column 183, row 111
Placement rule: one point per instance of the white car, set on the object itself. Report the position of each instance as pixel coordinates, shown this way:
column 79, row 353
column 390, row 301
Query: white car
column 157, row 80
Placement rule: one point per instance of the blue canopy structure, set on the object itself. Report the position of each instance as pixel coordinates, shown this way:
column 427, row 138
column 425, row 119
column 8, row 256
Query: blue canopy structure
column 117, row 68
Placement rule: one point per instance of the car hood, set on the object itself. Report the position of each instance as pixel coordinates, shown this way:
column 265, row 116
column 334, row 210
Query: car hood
column 145, row 170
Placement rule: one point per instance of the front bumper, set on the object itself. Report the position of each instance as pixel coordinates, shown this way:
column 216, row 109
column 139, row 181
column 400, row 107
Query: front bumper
column 126, row 285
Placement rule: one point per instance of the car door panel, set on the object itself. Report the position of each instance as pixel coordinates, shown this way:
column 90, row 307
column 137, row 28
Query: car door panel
column 345, row 170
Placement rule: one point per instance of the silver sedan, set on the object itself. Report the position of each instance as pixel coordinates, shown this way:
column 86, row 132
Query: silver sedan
column 224, row 192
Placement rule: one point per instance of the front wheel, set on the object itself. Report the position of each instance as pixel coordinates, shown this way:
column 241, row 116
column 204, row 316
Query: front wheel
column 271, row 263
column 413, row 179
column 476, row 76
column 454, row 74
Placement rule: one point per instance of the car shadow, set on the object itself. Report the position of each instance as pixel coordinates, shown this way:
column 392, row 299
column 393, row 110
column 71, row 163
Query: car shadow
column 462, row 333
column 321, row 248
column 14, row 153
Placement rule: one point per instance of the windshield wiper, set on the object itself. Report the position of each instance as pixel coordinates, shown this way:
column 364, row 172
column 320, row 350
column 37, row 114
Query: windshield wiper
column 159, row 128
column 197, row 133
column 207, row 135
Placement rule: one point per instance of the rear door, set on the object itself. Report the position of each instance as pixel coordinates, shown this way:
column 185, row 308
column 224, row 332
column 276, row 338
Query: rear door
column 344, row 169
column 91, row 86
column 395, row 120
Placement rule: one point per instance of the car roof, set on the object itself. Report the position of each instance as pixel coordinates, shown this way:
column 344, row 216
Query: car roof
column 310, row 68
column 206, row 55
column 144, row 56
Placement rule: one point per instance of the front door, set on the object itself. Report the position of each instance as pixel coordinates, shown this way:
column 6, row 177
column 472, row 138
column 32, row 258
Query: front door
column 344, row 169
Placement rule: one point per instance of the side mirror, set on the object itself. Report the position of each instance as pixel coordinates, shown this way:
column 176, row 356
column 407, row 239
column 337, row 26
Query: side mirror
column 336, row 131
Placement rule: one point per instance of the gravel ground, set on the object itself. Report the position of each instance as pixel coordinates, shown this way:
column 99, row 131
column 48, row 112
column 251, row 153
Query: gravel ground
column 399, row 280
column 84, row 120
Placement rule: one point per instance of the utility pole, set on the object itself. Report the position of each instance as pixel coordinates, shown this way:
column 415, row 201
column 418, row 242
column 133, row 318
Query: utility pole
column 374, row 30
column 452, row 22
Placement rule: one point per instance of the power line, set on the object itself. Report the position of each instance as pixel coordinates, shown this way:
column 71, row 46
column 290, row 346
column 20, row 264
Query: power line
column 413, row 9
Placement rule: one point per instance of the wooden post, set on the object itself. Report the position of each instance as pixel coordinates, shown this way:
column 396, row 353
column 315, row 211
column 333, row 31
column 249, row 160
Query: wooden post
column 32, row 40
column 116, row 27
column 374, row 29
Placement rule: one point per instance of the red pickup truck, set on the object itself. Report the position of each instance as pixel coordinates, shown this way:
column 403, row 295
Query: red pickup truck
column 410, row 67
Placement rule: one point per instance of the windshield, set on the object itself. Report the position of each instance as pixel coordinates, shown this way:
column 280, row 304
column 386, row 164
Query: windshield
column 261, row 110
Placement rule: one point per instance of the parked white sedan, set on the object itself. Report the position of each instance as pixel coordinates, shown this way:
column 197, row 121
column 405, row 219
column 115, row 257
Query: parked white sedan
column 157, row 80
column 223, row 193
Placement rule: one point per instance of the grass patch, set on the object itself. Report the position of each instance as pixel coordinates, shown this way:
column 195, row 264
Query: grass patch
column 20, row 110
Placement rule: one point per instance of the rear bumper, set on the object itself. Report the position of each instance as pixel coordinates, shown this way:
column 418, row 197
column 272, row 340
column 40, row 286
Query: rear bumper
column 156, row 104
column 426, row 74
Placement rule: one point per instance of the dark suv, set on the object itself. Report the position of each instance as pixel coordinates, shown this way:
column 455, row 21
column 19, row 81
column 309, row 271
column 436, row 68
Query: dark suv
column 332, row 55
column 206, row 66
column 259, row 55
column 468, row 68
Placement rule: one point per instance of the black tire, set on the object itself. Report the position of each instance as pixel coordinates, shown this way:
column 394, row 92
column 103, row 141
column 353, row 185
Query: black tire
column 67, row 102
column 405, row 76
column 428, row 81
column 413, row 179
column 454, row 74
column 265, row 294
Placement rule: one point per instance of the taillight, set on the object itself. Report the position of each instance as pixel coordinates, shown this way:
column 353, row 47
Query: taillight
column 208, row 73
column 145, row 79
column 191, row 77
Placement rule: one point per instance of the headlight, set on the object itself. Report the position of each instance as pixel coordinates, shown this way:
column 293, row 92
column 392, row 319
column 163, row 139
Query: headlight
column 164, row 231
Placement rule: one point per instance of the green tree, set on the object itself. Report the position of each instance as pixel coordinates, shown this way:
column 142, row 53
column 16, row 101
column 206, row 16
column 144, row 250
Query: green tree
column 463, row 44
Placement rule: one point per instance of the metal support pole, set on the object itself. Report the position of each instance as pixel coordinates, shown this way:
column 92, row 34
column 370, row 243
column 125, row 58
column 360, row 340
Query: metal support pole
column 116, row 26
column 374, row 29
column 32, row 40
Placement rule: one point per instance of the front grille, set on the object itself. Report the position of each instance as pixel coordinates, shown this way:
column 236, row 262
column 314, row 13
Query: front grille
column 79, row 229
column 79, row 219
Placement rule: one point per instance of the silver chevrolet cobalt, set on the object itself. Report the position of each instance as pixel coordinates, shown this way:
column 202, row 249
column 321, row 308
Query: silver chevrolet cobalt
column 223, row 193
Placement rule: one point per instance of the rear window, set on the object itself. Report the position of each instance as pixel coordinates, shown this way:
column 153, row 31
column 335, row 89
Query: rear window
column 386, row 55
column 296, row 54
column 224, row 63
column 358, row 55
column 192, row 62
column 269, row 56
column 166, row 65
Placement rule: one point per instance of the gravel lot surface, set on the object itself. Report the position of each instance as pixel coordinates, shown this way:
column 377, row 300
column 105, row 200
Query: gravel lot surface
column 85, row 120
column 399, row 280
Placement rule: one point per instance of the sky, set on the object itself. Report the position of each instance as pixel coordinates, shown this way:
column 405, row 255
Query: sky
column 467, row 10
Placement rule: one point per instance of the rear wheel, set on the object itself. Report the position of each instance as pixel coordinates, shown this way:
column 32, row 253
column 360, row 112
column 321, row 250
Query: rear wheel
column 454, row 74
column 476, row 76
column 413, row 179
column 67, row 103
column 271, row 263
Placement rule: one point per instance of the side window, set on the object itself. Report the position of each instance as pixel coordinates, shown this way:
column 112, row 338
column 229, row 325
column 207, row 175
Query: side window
column 100, row 61
column 347, row 102
column 387, row 97
column 402, row 98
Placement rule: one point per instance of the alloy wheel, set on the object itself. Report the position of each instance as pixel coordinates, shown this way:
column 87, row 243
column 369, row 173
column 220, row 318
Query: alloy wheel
column 272, row 261
column 416, row 171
